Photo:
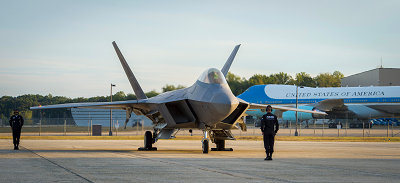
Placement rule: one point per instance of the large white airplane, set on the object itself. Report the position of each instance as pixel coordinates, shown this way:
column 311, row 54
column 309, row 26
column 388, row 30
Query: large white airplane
column 337, row 102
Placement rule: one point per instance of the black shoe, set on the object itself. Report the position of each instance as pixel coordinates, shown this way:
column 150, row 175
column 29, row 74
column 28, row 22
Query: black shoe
column 270, row 158
column 267, row 158
column 15, row 148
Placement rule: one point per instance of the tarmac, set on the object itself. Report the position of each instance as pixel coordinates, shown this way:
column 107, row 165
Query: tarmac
column 183, row 161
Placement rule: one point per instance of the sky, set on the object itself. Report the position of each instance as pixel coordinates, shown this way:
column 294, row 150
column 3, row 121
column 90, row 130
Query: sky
column 64, row 48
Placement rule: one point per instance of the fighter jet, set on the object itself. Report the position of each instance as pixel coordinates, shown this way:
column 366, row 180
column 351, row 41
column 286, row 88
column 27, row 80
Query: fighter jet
column 208, row 105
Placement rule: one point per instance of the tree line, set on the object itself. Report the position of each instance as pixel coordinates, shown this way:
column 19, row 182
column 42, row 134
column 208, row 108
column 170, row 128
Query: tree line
column 237, row 84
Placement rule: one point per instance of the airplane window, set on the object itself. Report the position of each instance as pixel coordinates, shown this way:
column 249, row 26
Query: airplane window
column 212, row 76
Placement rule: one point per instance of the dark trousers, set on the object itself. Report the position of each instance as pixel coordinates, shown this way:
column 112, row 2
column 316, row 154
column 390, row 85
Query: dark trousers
column 269, row 144
column 16, row 135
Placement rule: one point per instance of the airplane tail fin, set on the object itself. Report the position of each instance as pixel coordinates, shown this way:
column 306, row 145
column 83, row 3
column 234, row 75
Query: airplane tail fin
column 132, row 79
column 228, row 63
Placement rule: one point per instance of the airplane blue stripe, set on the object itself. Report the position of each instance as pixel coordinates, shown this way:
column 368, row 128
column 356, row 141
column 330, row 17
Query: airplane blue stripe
column 256, row 94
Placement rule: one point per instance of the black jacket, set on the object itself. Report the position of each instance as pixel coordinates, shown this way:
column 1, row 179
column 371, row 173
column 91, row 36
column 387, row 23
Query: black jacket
column 267, row 124
column 16, row 122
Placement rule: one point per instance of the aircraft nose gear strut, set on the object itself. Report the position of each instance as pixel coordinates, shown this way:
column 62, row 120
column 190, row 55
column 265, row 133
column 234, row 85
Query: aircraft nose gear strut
column 205, row 141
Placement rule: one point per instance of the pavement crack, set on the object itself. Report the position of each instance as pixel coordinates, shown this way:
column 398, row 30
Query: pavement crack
column 52, row 162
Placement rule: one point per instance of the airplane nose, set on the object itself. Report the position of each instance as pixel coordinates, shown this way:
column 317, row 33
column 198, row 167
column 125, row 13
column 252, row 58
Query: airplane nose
column 225, row 103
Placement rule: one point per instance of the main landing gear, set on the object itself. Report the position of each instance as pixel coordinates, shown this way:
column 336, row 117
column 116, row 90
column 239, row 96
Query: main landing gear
column 205, row 141
column 148, row 142
column 220, row 146
column 220, row 143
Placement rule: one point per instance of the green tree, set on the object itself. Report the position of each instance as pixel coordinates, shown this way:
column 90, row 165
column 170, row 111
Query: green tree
column 329, row 80
column 259, row 79
column 119, row 96
column 169, row 87
column 282, row 78
column 151, row 93
column 303, row 79
column 180, row 87
column 237, row 84
column 131, row 96
column 26, row 114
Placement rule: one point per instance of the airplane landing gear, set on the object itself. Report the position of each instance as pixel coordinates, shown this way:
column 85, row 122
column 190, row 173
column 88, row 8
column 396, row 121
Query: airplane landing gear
column 205, row 146
column 205, row 141
column 220, row 146
column 148, row 142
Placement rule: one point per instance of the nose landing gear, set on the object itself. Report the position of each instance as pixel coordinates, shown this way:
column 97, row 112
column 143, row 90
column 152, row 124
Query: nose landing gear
column 148, row 142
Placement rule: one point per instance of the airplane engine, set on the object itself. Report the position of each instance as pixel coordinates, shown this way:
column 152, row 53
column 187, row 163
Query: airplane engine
column 291, row 115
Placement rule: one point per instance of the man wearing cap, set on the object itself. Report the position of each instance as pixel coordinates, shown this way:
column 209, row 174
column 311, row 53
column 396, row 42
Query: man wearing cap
column 268, row 121
column 16, row 123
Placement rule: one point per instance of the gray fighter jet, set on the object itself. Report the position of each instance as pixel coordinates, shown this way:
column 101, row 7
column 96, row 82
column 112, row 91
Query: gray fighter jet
column 208, row 105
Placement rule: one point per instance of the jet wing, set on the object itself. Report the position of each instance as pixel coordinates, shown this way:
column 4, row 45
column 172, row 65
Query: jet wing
column 283, row 109
column 330, row 104
column 96, row 105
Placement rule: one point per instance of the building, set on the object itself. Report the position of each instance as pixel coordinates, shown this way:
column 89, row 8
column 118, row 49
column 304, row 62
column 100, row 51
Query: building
column 374, row 77
column 85, row 116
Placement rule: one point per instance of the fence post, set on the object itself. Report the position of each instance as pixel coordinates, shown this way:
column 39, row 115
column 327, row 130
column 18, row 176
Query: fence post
column 392, row 124
column 388, row 129
column 314, row 127
column 88, row 124
column 301, row 116
column 347, row 120
column 40, row 122
column 323, row 125
column 65, row 124
column 369, row 126
column 363, row 127
column 254, row 128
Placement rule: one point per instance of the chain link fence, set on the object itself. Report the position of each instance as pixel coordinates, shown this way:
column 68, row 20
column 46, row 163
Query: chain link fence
column 67, row 126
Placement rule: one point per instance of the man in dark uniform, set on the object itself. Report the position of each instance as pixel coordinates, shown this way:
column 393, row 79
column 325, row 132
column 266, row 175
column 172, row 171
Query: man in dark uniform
column 16, row 123
column 268, row 121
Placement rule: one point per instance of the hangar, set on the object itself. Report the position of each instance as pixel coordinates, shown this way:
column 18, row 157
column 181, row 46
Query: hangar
column 375, row 77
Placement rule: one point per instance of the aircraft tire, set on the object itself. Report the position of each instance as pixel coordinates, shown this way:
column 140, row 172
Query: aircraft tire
column 220, row 145
column 205, row 146
column 148, row 140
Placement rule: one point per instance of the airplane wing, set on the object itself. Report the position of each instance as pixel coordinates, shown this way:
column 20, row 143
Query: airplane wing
column 329, row 104
column 97, row 105
column 283, row 109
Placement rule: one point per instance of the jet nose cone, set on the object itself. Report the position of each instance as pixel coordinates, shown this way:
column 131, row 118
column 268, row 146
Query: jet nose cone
column 225, row 103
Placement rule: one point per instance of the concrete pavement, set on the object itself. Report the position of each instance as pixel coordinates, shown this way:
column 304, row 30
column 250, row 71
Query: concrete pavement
column 183, row 161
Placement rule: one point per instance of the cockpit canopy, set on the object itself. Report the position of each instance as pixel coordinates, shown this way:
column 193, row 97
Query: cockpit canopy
column 212, row 76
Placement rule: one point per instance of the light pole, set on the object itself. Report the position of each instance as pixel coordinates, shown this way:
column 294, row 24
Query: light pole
column 297, row 94
column 110, row 133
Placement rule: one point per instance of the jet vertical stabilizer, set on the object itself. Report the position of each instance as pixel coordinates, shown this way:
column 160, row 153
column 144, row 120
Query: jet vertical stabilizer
column 132, row 79
column 228, row 63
